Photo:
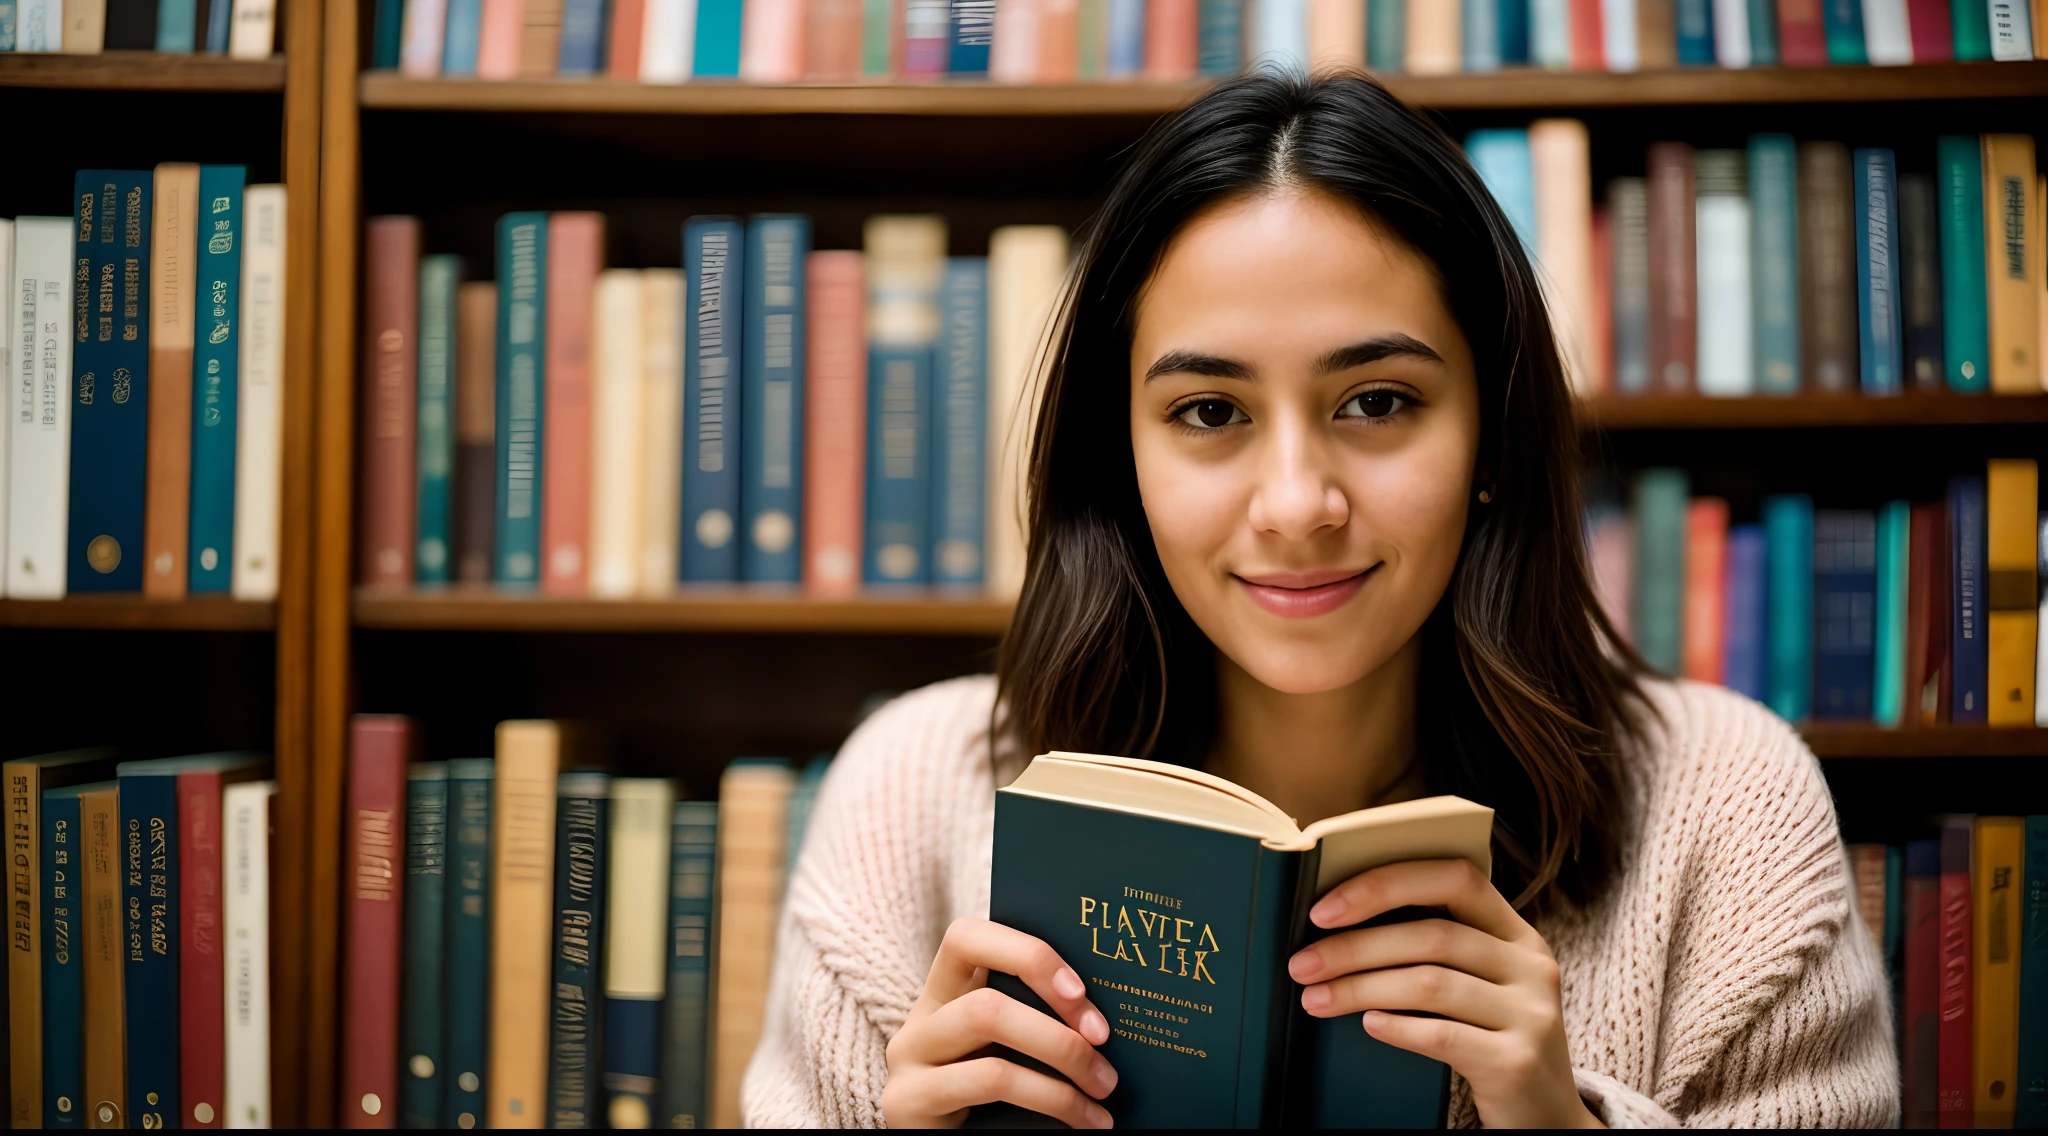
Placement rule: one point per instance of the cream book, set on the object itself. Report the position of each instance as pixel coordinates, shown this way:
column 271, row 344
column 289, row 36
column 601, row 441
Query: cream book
column 39, row 445
column 636, row 947
column 1027, row 266
column 259, row 424
column 245, row 910
column 1560, row 156
column 753, row 838
column 522, row 917
column 661, row 449
column 618, row 382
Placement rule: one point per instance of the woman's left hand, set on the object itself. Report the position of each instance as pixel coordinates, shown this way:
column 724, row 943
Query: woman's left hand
column 1489, row 975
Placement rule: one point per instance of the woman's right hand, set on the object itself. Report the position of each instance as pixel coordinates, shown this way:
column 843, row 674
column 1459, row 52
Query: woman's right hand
column 934, row 1077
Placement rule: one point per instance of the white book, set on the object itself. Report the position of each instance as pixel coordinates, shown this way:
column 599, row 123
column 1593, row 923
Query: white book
column 259, row 428
column 1618, row 34
column 1013, row 52
column 636, row 900
column 1027, row 266
column 7, row 349
column 618, row 376
column 2012, row 32
column 419, row 55
column 1550, row 34
column 245, row 931
column 1561, row 161
column 253, row 32
column 1727, row 360
column 668, row 40
column 38, row 25
column 661, row 449
column 1280, row 35
column 1731, row 33
column 85, row 27
column 39, row 408
column 1887, row 39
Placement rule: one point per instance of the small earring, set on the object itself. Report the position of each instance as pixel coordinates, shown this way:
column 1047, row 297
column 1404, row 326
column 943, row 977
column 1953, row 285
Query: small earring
column 1486, row 496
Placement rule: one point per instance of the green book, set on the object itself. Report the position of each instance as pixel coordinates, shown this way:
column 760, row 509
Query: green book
column 439, row 276
column 686, row 1010
column 2032, row 1105
column 1788, row 657
column 876, row 40
column 1658, row 615
column 1970, row 29
column 1386, row 35
column 468, row 929
column 1178, row 898
column 1091, row 37
column 1888, row 691
column 1774, row 261
column 1959, row 205
column 420, row 1036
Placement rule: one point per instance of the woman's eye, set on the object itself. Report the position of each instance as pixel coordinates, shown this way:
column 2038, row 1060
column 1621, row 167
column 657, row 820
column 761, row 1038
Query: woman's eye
column 1211, row 414
column 1372, row 404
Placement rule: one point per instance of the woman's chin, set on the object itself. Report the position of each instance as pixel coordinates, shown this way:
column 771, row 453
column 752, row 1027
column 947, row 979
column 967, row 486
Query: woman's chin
column 1298, row 670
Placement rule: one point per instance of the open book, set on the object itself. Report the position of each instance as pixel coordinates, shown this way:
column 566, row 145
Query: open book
column 1178, row 897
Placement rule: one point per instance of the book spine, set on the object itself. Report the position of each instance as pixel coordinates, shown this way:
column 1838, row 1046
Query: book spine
column 1968, row 659
column 1927, row 23
column 973, row 30
column 39, row 457
column 1386, row 36
column 1433, row 37
column 1877, row 272
column 1788, row 525
column 753, row 801
column 1599, row 324
column 1479, row 35
column 1827, row 267
column 149, row 971
column 1802, row 37
column 1763, row 33
column 2011, row 620
column 522, row 907
column 718, row 39
column 7, row 25
column 1926, row 606
column 1999, row 853
column 110, row 384
column 1774, row 261
column 1724, row 288
column 1618, row 38
column 1026, row 267
column 436, row 455
column 713, row 418
column 635, row 962
column 1552, row 33
column 835, row 422
column 1013, row 55
column 1920, row 282
column 1693, row 20
column 686, row 1042
column 576, row 1017
column 618, row 470
column 1610, row 549
column 1744, row 667
column 668, row 43
column 582, row 48
column 468, row 932
column 246, row 914
column 622, row 50
column 259, row 438
column 374, row 890
column 460, row 41
column 661, row 489
column 202, row 965
column 1919, row 1048
column 1560, row 164
column 1656, row 34
column 1173, row 36
column 1966, row 328
column 105, row 1016
column 1706, row 588
column 1674, row 303
column 1958, row 1029
column 521, row 348
column 1842, row 24
column 1219, row 42
column 1888, row 680
column 421, row 1024
column 85, row 28
column 175, row 221
column 475, row 494
column 772, row 398
column 2031, row 1077
column 216, row 377
column 1731, row 33
column 2012, row 235
column 2012, row 36
column 878, row 41
column 2041, row 622
column 63, row 978
column 390, row 405
column 831, row 39
column 1845, row 587
column 958, row 417
column 1058, row 41
column 177, row 27
column 426, row 22
column 540, row 38
column 771, row 39
column 1125, row 48
column 387, row 28
column 575, row 257
column 1971, row 28
column 1503, row 161
column 1659, row 595
column 1885, row 38
column 1514, row 31
column 1629, row 212
column 905, row 267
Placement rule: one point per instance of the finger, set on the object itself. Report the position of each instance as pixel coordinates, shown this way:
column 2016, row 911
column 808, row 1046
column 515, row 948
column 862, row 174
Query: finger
column 945, row 1089
column 1406, row 944
column 973, row 947
column 1457, row 1044
column 1456, row 885
column 1428, row 989
column 982, row 1017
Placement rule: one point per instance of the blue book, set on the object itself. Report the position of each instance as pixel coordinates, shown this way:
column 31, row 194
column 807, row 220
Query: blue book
column 1894, row 550
column 468, row 942
column 1502, row 158
column 1843, row 20
column 1774, row 261
column 686, row 1046
column 387, row 32
column 1479, row 34
column 901, row 356
column 2031, row 1105
column 458, row 45
column 521, row 366
column 1959, row 209
column 959, row 424
column 1126, row 52
column 177, row 28
column 974, row 29
column 1744, row 638
column 216, row 378
column 583, row 28
column 1788, row 531
column 109, row 382
column 422, row 1009
column 1386, row 35
column 717, row 50
column 576, row 1017
column 1845, row 611
column 1658, row 508
column 1763, row 33
column 1514, row 31
column 217, row 21
column 434, row 514
column 713, row 417
column 772, row 399
column 6, row 25
column 1968, row 658
column 1219, row 43
column 64, row 938
column 1279, row 34
column 1876, row 209
column 149, row 968
column 1694, row 23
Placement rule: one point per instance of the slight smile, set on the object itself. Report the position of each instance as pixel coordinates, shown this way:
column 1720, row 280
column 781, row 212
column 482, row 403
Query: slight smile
column 1303, row 595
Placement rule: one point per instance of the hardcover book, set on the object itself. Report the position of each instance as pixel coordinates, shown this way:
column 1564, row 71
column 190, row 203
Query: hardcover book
column 2012, row 489
column 1920, row 1041
column 63, row 964
column 1774, row 261
column 1955, row 1084
column 1026, row 264
column 958, row 419
column 686, row 1044
column 713, row 268
column 1673, row 285
column 259, row 443
column 390, row 401
column 661, row 446
column 1920, row 282
column 576, row 996
column 245, row 850
column 772, row 396
column 476, row 429
column 434, row 511
column 521, row 346
column 1178, row 898
column 421, row 974
column 1968, row 658
column 575, row 258
column 1628, row 204
column 1843, row 24
column 1959, row 201
column 1845, row 587
column 835, row 421
column 105, row 939
column 522, row 908
column 1995, row 902
column 1788, row 528
column 620, row 418
column 1726, row 330
column 1659, row 599
column 1971, row 29
column 1888, row 681
column 1746, row 628
column 174, row 223
column 635, row 948
column 1219, row 44
column 39, row 450
column 202, row 921
column 1827, row 267
column 905, row 268
column 753, row 833
column 2031, row 1107
column 468, row 930
column 216, row 379
column 110, row 381
column 2012, row 239
column 1876, row 207
column 380, row 746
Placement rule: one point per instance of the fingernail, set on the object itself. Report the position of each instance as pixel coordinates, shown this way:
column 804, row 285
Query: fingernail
column 1105, row 1076
column 1316, row 997
column 1068, row 984
column 1328, row 910
column 1094, row 1027
column 1098, row 1117
column 1372, row 1018
column 1305, row 965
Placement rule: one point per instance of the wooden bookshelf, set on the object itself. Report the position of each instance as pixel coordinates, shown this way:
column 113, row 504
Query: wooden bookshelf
column 710, row 610
column 1863, row 740
column 141, row 71
column 1696, row 412
column 137, row 613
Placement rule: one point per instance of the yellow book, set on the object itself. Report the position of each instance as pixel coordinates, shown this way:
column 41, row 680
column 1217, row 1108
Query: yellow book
column 753, row 835
column 618, row 383
column 1027, row 265
column 636, row 942
column 2011, row 498
column 1996, row 910
column 2012, row 263
column 522, row 914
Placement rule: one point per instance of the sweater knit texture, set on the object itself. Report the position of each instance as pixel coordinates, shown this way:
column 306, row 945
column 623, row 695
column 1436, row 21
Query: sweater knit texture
column 1721, row 979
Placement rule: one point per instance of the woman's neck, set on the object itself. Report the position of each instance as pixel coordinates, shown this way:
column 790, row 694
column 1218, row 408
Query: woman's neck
column 1319, row 755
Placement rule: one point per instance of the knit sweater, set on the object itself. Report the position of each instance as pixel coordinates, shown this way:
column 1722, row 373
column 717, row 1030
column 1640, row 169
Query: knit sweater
column 1721, row 978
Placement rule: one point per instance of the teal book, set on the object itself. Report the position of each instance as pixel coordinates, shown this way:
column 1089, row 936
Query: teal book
column 1959, row 207
column 1658, row 597
column 717, row 50
column 218, row 20
column 1843, row 20
column 959, row 419
column 458, row 45
column 6, row 25
column 1179, row 898
column 1774, row 261
column 1693, row 21
column 521, row 368
column 1386, row 35
column 467, row 969
column 64, row 937
column 1219, row 36
column 149, row 966
column 576, row 1016
column 1514, row 32
column 1878, row 318
column 1479, row 35
column 1763, row 33
column 876, row 17
column 216, row 378
column 177, row 32
column 421, row 977
column 1894, row 540
column 2032, row 1103
column 387, row 34
column 109, row 381
column 434, row 517
column 772, row 399
column 1788, row 658
column 686, row 1009
column 1970, row 27
column 714, row 276
column 1501, row 156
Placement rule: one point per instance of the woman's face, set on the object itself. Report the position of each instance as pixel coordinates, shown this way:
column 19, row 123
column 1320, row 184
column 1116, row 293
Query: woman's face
column 1305, row 419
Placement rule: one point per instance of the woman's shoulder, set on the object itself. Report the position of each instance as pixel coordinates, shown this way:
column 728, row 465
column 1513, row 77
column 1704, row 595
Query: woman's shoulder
column 1703, row 750
column 933, row 739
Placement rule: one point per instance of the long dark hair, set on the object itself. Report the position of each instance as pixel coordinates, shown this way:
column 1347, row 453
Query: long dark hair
column 1525, row 687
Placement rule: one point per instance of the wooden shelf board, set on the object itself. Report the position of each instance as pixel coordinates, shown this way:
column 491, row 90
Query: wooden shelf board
column 136, row 613
column 1685, row 412
column 1518, row 87
column 141, row 71
column 1859, row 740
column 711, row 609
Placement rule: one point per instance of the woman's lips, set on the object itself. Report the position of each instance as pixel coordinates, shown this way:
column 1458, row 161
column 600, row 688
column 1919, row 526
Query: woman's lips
column 1303, row 595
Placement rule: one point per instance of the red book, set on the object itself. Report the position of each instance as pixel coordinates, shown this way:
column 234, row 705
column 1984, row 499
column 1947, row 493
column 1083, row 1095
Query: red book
column 1589, row 47
column 623, row 57
column 390, row 415
column 373, row 873
column 1926, row 613
column 1600, row 352
column 202, row 974
column 1920, row 1048
column 835, row 421
column 1956, row 1082
column 1706, row 576
column 1674, row 284
column 1170, row 39
column 1802, row 36
column 1933, row 36
column 575, row 257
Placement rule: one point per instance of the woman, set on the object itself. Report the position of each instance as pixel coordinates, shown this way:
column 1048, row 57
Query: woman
column 1304, row 513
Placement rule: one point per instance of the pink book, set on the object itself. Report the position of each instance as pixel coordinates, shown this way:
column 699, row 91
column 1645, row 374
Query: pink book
column 772, row 41
column 623, row 54
column 1013, row 56
column 1336, row 35
column 497, row 41
column 1170, row 38
column 1059, row 40
column 832, row 41
column 575, row 257
column 835, row 421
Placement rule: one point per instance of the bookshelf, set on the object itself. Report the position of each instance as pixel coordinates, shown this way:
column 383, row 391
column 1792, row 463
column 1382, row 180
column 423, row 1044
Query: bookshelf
column 142, row 71
column 135, row 613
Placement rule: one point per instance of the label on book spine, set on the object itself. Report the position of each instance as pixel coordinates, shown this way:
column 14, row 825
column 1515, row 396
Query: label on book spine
column 713, row 419
column 149, row 815
column 63, row 964
column 576, row 1020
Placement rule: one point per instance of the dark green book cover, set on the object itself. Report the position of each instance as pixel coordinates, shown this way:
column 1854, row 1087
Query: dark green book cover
column 468, row 968
column 63, row 958
column 1181, row 929
column 685, row 1087
column 420, row 1008
column 522, row 391
column 2032, row 1105
column 576, row 1018
column 432, row 559
column 1959, row 207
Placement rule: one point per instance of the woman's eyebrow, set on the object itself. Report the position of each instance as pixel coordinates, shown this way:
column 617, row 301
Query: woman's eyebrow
column 1373, row 350
column 1182, row 362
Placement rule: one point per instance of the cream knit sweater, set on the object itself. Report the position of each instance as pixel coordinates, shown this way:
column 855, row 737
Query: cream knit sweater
column 1723, row 979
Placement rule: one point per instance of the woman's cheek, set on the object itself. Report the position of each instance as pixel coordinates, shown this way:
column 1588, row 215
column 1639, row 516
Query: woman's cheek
column 1193, row 508
column 1416, row 505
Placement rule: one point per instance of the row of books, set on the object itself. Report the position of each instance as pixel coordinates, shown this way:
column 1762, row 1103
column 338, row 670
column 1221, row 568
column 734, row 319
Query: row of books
column 553, row 946
column 238, row 29
column 1916, row 612
column 1787, row 265
column 768, row 413
column 144, row 336
column 1962, row 922
column 138, row 979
